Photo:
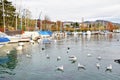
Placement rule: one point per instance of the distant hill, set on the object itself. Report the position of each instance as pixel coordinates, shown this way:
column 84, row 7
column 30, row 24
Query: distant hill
column 101, row 21
column 105, row 22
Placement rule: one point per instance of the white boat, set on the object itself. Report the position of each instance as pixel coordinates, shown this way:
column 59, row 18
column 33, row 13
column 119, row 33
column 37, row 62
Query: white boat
column 14, row 38
column 3, row 39
column 45, row 37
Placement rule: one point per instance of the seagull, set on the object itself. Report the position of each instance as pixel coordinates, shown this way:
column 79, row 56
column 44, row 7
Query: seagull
column 98, row 65
column 109, row 68
column 73, row 58
column 48, row 57
column 80, row 66
column 60, row 68
column 58, row 58
column 99, row 58
column 28, row 55
column 89, row 55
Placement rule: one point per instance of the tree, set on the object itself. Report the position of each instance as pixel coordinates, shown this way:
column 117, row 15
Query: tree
column 26, row 16
column 76, row 25
column 9, row 13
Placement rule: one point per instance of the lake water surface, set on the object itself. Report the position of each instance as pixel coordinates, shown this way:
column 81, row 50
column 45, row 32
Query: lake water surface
column 17, row 66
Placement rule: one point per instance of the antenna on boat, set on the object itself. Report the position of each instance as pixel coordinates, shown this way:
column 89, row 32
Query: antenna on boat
column 40, row 20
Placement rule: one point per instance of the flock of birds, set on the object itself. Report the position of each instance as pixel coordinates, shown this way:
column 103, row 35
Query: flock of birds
column 81, row 66
column 72, row 58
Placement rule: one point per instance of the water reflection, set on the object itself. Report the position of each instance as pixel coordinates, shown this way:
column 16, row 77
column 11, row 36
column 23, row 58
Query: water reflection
column 8, row 63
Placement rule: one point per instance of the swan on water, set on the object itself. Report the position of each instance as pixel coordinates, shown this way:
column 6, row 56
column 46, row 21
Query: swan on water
column 73, row 58
column 28, row 55
column 58, row 58
column 89, row 55
column 99, row 57
column 109, row 68
column 60, row 68
column 47, row 56
column 80, row 66
column 98, row 65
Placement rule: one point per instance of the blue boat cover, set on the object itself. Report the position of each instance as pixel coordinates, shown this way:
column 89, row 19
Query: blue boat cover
column 4, row 39
column 45, row 33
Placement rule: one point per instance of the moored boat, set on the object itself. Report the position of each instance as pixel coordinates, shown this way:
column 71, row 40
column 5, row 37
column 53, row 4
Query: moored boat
column 3, row 39
column 45, row 36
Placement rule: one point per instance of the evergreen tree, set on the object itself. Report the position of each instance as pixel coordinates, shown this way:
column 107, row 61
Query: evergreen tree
column 9, row 13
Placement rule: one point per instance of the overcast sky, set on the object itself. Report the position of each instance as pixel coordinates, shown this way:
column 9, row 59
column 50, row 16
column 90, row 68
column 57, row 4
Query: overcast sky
column 72, row 10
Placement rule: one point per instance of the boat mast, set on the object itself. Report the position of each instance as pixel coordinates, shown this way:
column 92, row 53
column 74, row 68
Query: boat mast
column 3, row 14
column 40, row 20
column 16, row 15
column 36, row 25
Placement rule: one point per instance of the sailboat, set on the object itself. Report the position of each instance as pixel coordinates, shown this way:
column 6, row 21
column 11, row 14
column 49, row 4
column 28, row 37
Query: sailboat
column 3, row 39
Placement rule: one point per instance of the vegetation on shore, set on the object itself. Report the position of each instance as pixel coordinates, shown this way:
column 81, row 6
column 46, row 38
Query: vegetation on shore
column 26, row 23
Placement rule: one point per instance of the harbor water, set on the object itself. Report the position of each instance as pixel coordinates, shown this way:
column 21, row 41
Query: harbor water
column 39, row 61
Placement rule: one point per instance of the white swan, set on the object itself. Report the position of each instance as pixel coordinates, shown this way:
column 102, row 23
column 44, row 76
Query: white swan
column 99, row 57
column 47, row 56
column 73, row 58
column 61, row 68
column 109, row 67
column 81, row 66
column 98, row 65
column 28, row 55
column 58, row 58
column 88, row 55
